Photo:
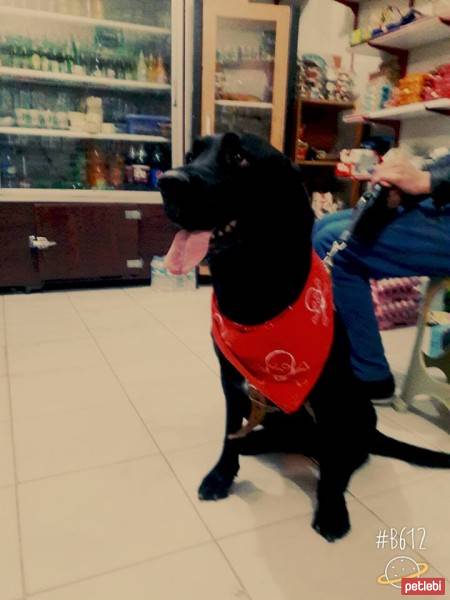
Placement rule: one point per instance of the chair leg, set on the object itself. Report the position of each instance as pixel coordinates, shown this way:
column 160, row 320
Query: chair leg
column 418, row 381
column 440, row 362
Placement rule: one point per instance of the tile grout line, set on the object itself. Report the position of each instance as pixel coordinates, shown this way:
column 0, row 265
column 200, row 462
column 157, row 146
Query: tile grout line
column 387, row 525
column 163, row 456
column 87, row 469
column 117, row 569
column 360, row 502
column 14, row 455
column 422, row 437
column 172, row 333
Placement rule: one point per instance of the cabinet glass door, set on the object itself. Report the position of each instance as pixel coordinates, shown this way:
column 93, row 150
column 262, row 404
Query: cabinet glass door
column 245, row 68
column 85, row 94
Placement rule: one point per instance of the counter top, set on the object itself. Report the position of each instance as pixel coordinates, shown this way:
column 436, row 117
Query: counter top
column 79, row 196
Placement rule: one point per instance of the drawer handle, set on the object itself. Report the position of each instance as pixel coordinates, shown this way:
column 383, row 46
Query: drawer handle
column 40, row 242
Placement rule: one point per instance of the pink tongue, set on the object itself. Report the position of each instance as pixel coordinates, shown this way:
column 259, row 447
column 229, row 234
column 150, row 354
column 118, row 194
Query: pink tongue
column 188, row 249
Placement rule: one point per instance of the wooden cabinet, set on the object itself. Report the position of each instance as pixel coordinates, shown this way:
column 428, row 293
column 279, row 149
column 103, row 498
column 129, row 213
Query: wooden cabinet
column 155, row 232
column 318, row 125
column 245, row 68
column 92, row 242
column 18, row 265
column 79, row 242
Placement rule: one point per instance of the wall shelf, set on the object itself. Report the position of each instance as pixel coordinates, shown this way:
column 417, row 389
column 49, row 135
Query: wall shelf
column 244, row 104
column 67, row 79
column 440, row 106
column 423, row 31
column 80, row 20
column 81, row 135
column 317, row 163
column 336, row 104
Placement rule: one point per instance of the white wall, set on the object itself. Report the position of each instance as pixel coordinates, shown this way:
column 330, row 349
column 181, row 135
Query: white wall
column 325, row 26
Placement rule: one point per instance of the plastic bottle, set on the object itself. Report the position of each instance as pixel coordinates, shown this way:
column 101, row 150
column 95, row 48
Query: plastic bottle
column 96, row 170
column 141, row 68
column 156, row 167
column 23, row 181
column 129, row 162
column 141, row 169
column 62, row 110
column 160, row 71
column 8, row 169
column 116, row 170
column 151, row 68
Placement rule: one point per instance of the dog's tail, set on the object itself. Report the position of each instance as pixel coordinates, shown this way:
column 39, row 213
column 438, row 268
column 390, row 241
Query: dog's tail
column 384, row 445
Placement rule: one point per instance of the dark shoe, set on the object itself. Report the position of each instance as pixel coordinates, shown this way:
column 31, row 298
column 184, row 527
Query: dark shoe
column 380, row 391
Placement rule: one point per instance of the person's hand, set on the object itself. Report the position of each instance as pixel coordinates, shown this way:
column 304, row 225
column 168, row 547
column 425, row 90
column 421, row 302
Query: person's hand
column 403, row 175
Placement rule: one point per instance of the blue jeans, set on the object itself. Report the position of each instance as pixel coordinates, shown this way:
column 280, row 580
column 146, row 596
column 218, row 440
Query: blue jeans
column 417, row 242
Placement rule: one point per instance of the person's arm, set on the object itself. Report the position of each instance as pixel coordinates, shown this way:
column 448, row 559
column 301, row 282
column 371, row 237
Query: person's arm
column 404, row 176
column 440, row 181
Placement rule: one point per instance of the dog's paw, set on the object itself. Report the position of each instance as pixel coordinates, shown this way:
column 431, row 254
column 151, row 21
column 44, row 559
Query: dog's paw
column 332, row 522
column 215, row 486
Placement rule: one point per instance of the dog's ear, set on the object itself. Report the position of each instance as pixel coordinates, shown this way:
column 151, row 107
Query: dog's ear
column 231, row 150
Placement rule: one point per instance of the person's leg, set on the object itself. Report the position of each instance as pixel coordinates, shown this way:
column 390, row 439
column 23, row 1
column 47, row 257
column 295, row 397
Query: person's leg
column 328, row 229
column 417, row 242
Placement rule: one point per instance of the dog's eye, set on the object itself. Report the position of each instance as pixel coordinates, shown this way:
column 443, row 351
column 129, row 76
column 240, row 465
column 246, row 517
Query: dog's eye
column 236, row 159
column 189, row 158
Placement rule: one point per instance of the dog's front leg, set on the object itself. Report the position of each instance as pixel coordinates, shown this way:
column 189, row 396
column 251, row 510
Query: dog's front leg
column 217, row 483
column 331, row 519
column 342, row 449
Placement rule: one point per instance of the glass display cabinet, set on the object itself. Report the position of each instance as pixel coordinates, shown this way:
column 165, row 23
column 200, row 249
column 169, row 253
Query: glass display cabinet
column 90, row 115
column 85, row 94
column 245, row 68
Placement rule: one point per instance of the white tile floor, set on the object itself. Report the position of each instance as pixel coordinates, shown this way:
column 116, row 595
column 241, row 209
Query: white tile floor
column 111, row 412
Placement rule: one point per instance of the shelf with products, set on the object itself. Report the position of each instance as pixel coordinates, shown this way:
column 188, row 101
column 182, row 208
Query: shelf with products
column 423, row 31
column 81, row 135
column 86, row 94
column 69, row 19
column 69, row 79
column 441, row 106
column 123, row 58
column 245, row 58
column 81, row 165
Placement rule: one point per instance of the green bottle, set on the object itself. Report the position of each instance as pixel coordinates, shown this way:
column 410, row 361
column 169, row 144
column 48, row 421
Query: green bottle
column 35, row 57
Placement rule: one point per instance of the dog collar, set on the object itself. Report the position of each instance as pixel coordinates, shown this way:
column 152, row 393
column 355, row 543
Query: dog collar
column 284, row 357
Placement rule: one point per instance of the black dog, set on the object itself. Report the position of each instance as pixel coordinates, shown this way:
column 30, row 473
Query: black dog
column 244, row 203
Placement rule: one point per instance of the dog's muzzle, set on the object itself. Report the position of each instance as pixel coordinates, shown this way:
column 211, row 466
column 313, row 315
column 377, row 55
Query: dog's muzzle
column 174, row 186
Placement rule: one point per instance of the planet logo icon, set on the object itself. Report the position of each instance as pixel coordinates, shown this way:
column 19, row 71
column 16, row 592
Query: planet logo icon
column 399, row 568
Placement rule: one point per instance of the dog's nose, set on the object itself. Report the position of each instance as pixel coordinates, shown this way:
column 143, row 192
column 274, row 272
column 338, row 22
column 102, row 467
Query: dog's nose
column 172, row 183
column 174, row 186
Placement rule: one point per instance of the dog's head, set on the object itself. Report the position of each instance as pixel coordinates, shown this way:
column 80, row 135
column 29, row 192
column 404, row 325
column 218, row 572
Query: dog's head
column 228, row 184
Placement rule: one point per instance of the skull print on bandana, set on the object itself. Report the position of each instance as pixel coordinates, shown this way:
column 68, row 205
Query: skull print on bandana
column 284, row 357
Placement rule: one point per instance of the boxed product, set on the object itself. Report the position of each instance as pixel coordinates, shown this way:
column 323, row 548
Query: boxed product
column 163, row 281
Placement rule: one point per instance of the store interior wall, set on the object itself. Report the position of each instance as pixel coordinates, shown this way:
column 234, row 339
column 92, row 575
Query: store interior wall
column 324, row 29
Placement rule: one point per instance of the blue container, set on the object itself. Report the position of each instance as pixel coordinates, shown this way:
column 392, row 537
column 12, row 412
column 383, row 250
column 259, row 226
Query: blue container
column 146, row 124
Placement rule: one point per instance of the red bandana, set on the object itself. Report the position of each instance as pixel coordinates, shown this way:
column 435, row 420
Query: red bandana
column 283, row 358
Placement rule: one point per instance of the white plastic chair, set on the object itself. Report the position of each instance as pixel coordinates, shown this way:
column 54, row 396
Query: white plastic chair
column 418, row 379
